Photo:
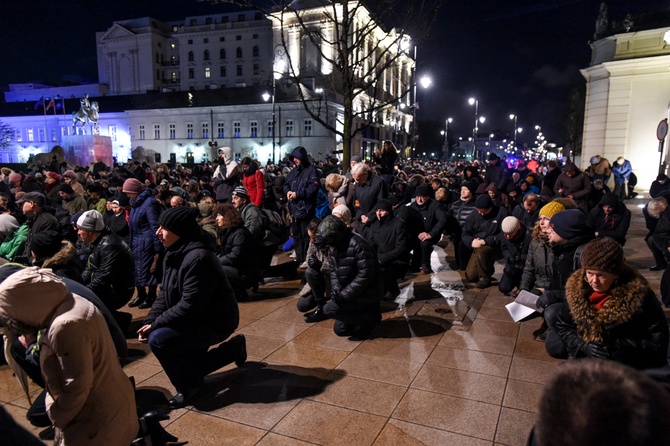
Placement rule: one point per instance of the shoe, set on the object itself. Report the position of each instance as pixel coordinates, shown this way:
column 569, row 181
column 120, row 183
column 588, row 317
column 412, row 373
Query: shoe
column 391, row 295
column 47, row 434
column 137, row 301
column 483, row 283
column 541, row 333
column 183, row 399
column 426, row 270
column 303, row 265
column 241, row 349
column 147, row 303
column 362, row 333
column 658, row 268
column 315, row 316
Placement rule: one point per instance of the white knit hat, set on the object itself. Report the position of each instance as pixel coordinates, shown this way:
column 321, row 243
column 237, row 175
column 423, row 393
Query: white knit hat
column 510, row 225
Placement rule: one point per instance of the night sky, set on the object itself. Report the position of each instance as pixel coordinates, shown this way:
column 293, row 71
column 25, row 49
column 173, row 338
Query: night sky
column 515, row 56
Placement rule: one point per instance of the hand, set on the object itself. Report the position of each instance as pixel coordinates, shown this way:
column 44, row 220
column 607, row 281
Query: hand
column 542, row 301
column 560, row 191
column 571, row 197
column 143, row 333
column 515, row 293
column 424, row 236
column 314, row 263
column 27, row 340
column 154, row 264
column 595, row 350
column 335, row 296
column 364, row 219
column 290, row 195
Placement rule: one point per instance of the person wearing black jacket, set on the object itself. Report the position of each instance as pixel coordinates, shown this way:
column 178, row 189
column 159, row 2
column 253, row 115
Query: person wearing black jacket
column 236, row 250
column 610, row 218
column 456, row 217
column 480, row 232
column 38, row 219
column 301, row 188
column 368, row 190
column 514, row 241
column 194, row 310
column 434, row 223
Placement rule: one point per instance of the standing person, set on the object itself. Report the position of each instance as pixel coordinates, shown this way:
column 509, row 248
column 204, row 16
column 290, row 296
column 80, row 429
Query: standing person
column 146, row 247
column 301, row 187
column 388, row 158
column 355, row 280
column 253, row 180
column 196, row 309
column 90, row 399
column 226, row 176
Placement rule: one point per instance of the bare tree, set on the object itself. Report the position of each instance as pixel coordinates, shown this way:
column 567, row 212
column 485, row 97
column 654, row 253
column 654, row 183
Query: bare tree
column 7, row 133
column 350, row 62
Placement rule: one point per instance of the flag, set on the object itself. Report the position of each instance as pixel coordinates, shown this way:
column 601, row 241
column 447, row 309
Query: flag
column 51, row 104
column 39, row 103
column 60, row 104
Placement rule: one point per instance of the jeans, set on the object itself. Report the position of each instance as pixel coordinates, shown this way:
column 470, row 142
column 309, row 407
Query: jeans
column 300, row 237
column 351, row 315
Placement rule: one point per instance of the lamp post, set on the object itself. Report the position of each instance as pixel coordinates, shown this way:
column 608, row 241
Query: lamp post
column 277, row 72
column 446, row 136
column 514, row 118
column 475, row 102
column 425, row 83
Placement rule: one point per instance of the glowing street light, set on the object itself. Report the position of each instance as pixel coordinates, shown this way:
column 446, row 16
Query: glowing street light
column 475, row 102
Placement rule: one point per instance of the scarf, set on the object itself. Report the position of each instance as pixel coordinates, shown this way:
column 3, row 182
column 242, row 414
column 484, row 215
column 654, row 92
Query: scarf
column 599, row 299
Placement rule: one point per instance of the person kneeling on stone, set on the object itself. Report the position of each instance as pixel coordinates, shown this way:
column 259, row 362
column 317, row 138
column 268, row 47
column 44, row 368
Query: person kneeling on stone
column 196, row 308
column 514, row 242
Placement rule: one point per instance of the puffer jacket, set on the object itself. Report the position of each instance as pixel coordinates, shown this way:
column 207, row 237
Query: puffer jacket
column 110, row 270
column 537, row 271
column 434, row 218
column 354, row 268
column 485, row 227
column 237, row 248
column 144, row 243
column 89, row 396
column 460, row 210
column 304, row 181
column 631, row 324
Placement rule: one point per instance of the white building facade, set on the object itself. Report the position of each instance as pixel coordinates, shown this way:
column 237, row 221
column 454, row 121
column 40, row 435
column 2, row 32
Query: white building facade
column 627, row 95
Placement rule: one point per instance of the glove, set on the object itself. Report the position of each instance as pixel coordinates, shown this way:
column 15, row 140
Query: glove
column 335, row 296
column 314, row 263
column 542, row 301
column 595, row 350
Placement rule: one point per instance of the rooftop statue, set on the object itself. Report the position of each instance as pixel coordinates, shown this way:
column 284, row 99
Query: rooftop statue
column 87, row 113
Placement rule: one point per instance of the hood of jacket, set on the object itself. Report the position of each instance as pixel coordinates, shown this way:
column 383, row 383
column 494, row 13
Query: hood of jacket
column 300, row 153
column 31, row 296
column 628, row 295
column 62, row 257
column 227, row 154
column 332, row 231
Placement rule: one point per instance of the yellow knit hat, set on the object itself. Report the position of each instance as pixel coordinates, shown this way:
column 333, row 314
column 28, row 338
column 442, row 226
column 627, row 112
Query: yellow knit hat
column 552, row 208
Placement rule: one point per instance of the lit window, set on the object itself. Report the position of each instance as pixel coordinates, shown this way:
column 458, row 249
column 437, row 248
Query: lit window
column 31, row 135
column 142, row 134
column 208, row 72
column 157, row 131
column 220, row 130
column 253, row 127
column 236, row 129
column 189, row 131
column 173, row 131
column 205, row 130
column 289, row 127
column 270, row 128
column 112, row 132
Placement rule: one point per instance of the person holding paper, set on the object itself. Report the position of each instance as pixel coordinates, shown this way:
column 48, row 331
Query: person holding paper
column 611, row 312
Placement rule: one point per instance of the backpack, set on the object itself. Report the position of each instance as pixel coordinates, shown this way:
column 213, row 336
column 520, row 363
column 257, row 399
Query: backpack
column 275, row 230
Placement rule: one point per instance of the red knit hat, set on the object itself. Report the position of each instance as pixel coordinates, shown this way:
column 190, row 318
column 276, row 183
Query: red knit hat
column 133, row 186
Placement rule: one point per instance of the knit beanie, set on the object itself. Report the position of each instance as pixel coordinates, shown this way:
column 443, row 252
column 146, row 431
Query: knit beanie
column 610, row 199
column 569, row 224
column 344, row 212
column 569, row 167
column 510, row 225
column 424, row 191
column 483, row 202
column 70, row 174
column 603, row 254
column 181, row 220
column 552, row 208
column 65, row 188
column 91, row 221
column 385, row 205
column 53, row 176
column 46, row 243
column 133, row 186
column 8, row 224
column 471, row 186
column 241, row 192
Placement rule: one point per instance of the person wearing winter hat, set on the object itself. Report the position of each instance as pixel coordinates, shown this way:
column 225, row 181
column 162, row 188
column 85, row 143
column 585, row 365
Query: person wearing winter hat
column 480, row 232
column 600, row 169
column 514, row 241
column 72, row 202
column 458, row 213
column 611, row 313
column 623, row 173
column 32, row 204
column 70, row 178
column 434, row 223
column 610, row 218
column 196, row 308
column 572, row 183
column 15, row 236
column 342, row 212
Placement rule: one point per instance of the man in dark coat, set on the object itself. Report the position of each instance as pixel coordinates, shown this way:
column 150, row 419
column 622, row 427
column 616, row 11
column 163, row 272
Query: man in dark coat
column 459, row 211
column 572, row 183
column 610, row 219
column 301, row 187
column 528, row 211
column 497, row 172
column 514, row 241
column 480, row 232
column 38, row 219
column 194, row 310
column 389, row 238
column 368, row 190
column 434, row 223
column 355, row 280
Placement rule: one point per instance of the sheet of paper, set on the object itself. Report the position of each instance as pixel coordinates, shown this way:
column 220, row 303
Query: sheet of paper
column 529, row 300
column 518, row 311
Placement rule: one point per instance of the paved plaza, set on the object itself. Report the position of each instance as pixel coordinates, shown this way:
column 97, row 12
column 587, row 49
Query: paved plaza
column 447, row 366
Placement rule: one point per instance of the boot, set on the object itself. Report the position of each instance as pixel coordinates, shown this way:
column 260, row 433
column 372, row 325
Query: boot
column 151, row 297
column 315, row 316
column 141, row 297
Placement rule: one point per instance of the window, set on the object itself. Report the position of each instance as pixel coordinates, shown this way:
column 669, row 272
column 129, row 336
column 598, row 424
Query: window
column 222, row 39
column 64, row 131
column 112, row 132
column 142, row 134
column 173, row 60
column 289, row 127
column 239, row 70
column 175, row 28
column 220, row 130
column 41, row 134
column 208, row 72
column 256, row 69
column 236, row 129
column 270, row 128
column 205, row 130
column 193, row 22
column 189, row 131
column 191, row 73
column 157, row 131
column 53, row 134
column 255, row 51
column 190, row 56
column 205, row 55
column 222, row 53
column 308, row 127
column 238, row 52
column 240, row 17
column 190, row 41
column 158, row 58
column 173, row 131
column 158, row 74
column 223, row 71
column 253, row 129
column 258, row 16
column 19, row 135
column 255, row 36
column 238, row 37
column 31, row 135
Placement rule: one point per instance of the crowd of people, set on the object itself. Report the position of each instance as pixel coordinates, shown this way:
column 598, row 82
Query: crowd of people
column 188, row 244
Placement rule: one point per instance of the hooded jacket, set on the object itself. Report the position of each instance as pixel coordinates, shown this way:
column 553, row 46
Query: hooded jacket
column 144, row 243
column 89, row 396
column 613, row 225
column 631, row 324
column 304, row 181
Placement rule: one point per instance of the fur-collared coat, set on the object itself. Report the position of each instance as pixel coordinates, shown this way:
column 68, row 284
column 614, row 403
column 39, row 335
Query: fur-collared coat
column 631, row 324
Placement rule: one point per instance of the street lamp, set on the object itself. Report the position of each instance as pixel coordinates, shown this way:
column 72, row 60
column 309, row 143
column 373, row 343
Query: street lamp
column 446, row 135
column 514, row 118
column 425, row 82
column 277, row 72
column 475, row 102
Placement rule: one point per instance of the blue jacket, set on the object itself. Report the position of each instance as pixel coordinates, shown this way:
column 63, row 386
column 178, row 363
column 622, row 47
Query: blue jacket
column 622, row 172
column 304, row 181
column 144, row 243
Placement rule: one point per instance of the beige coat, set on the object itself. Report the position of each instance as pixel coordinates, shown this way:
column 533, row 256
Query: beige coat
column 89, row 396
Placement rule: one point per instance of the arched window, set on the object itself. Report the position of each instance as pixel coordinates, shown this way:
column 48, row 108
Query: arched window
column 255, row 51
column 238, row 53
column 190, row 56
column 205, row 55
column 222, row 53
